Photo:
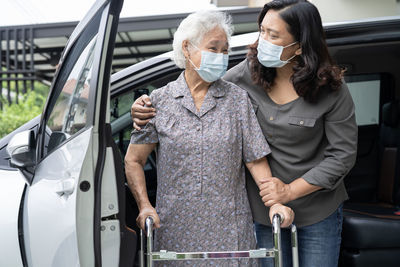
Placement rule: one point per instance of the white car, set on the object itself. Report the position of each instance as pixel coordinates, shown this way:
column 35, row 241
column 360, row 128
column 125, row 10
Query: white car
column 61, row 205
column 63, row 198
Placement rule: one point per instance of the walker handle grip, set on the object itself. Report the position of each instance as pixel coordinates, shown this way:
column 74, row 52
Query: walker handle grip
column 148, row 226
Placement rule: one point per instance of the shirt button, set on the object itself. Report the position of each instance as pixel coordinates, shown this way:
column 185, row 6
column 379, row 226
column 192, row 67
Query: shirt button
column 271, row 118
column 198, row 128
column 301, row 122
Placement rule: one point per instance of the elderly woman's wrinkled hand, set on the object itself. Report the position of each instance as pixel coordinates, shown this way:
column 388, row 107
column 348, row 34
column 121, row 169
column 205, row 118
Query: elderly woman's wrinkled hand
column 145, row 212
column 142, row 111
column 273, row 190
column 286, row 214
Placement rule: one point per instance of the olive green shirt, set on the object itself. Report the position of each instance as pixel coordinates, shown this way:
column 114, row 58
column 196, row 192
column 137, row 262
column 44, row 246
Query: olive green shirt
column 317, row 142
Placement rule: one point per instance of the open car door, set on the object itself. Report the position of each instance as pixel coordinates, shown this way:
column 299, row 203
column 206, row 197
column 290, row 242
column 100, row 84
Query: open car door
column 73, row 211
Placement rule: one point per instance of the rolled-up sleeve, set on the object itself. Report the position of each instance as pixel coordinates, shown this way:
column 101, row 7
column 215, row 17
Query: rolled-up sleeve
column 148, row 134
column 340, row 153
column 255, row 145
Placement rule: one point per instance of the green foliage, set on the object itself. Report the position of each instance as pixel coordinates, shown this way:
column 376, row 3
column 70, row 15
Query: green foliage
column 41, row 88
column 14, row 115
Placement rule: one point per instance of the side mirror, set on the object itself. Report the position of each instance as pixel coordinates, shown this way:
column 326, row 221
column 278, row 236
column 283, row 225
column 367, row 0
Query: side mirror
column 22, row 151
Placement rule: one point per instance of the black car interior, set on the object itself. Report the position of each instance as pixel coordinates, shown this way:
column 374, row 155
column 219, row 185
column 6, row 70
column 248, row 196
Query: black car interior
column 371, row 225
column 371, row 229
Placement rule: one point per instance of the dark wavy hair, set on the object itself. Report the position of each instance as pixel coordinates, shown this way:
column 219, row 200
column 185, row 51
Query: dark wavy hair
column 314, row 70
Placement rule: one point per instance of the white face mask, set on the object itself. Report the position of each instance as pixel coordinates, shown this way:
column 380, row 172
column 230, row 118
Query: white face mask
column 213, row 65
column 269, row 54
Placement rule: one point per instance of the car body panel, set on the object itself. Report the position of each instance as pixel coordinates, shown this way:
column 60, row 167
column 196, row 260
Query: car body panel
column 109, row 207
column 12, row 186
column 49, row 212
column 51, row 231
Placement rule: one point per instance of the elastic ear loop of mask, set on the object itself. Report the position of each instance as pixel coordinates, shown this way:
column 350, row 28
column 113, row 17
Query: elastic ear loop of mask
column 196, row 68
column 288, row 60
column 290, row 44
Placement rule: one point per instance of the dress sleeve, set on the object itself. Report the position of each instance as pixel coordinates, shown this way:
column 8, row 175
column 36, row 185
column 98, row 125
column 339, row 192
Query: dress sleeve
column 340, row 153
column 255, row 145
column 148, row 134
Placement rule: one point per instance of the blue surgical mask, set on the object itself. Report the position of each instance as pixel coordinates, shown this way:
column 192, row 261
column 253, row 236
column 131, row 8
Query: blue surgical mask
column 269, row 54
column 213, row 65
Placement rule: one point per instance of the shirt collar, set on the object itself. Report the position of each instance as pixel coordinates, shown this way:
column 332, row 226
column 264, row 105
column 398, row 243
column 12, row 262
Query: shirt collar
column 217, row 88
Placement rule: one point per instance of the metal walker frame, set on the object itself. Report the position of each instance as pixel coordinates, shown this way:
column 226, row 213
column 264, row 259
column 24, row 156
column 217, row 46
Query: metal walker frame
column 164, row 255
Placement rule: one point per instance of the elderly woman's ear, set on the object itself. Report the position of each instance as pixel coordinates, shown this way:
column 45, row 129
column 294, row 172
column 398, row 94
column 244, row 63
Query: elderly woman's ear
column 185, row 48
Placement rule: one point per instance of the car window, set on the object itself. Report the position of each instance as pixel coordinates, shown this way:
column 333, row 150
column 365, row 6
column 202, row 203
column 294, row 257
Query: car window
column 365, row 91
column 121, row 107
column 69, row 113
column 122, row 103
column 67, row 110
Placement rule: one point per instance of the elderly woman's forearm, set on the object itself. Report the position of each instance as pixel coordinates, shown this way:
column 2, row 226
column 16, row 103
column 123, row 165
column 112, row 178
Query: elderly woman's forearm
column 135, row 159
column 259, row 169
column 137, row 183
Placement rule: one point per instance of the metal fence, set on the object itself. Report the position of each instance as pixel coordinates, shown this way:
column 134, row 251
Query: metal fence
column 30, row 53
column 17, row 63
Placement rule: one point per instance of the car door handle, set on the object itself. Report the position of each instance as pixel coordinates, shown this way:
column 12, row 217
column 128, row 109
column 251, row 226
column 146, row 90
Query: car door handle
column 65, row 187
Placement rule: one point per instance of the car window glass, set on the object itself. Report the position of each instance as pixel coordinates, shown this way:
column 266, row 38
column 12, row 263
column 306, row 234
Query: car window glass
column 121, row 104
column 365, row 91
column 69, row 113
column 67, row 110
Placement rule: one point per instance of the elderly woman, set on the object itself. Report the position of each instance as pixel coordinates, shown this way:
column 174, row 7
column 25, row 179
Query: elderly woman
column 205, row 128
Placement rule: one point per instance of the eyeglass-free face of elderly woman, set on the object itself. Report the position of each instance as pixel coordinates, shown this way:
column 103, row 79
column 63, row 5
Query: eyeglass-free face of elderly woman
column 205, row 128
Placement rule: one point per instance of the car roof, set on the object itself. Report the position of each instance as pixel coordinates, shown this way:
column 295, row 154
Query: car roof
column 361, row 21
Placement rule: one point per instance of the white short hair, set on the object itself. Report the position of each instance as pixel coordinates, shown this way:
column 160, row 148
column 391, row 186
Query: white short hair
column 194, row 27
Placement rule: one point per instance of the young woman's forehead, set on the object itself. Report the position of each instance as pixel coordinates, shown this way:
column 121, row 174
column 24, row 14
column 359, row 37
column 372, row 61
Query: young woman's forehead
column 273, row 22
column 272, row 18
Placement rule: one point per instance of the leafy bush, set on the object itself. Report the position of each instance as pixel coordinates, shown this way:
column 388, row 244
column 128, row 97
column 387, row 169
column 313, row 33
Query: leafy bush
column 14, row 115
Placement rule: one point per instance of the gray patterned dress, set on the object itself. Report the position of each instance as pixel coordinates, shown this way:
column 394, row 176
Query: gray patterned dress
column 201, row 195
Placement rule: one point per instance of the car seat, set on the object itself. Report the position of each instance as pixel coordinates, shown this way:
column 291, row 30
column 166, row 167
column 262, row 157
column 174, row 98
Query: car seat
column 371, row 231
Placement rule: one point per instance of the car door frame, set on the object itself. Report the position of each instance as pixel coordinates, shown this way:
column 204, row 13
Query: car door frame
column 100, row 80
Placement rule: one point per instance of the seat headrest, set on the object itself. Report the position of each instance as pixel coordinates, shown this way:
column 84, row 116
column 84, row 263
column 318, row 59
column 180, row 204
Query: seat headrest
column 391, row 114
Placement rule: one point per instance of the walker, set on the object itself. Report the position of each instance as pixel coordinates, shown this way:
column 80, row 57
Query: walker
column 146, row 258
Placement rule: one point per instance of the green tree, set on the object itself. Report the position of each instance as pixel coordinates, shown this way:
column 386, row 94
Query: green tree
column 14, row 115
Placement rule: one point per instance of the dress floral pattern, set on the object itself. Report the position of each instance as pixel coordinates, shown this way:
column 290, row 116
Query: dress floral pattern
column 201, row 195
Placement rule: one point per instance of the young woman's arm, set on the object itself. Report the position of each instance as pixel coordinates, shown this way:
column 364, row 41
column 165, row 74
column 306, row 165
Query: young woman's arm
column 273, row 190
